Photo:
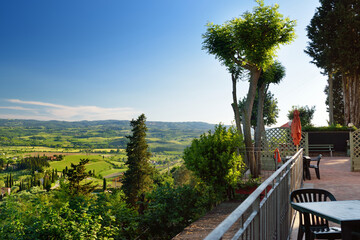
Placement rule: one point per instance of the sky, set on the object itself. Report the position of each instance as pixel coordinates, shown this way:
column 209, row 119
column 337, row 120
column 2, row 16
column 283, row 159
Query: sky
column 96, row 60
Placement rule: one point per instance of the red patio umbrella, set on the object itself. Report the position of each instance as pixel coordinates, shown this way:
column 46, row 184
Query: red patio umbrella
column 296, row 129
column 277, row 158
column 277, row 155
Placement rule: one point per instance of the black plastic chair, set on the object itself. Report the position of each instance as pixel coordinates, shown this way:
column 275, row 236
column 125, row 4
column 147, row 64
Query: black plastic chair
column 314, row 226
column 316, row 167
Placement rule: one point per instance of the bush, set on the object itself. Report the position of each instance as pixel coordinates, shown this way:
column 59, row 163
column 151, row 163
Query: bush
column 170, row 210
column 336, row 127
column 214, row 158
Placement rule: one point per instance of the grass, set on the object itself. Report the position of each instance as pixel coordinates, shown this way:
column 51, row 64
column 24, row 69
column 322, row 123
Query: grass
column 102, row 166
column 75, row 159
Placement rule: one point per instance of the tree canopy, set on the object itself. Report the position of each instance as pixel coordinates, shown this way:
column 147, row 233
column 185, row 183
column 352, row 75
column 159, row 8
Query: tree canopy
column 306, row 114
column 250, row 41
column 76, row 174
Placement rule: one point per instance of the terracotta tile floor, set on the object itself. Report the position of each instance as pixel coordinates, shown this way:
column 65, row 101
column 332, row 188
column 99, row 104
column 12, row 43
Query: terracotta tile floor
column 337, row 178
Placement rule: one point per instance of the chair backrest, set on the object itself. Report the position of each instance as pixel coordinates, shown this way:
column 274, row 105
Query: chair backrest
column 312, row 195
column 318, row 158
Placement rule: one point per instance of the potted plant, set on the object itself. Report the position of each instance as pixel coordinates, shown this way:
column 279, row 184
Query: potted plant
column 248, row 186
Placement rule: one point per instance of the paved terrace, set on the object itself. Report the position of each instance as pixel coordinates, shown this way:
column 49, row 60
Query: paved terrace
column 336, row 177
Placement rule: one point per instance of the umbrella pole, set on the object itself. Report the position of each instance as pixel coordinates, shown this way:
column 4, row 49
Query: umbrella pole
column 297, row 148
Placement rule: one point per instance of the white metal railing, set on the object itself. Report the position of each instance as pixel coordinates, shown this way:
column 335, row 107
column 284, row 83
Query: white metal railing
column 269, row 217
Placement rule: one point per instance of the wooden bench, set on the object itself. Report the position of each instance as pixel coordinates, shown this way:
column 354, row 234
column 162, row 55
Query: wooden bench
column 322, row 147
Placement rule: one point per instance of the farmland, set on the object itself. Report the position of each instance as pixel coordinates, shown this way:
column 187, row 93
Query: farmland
column 94, row 136
column 102, row 142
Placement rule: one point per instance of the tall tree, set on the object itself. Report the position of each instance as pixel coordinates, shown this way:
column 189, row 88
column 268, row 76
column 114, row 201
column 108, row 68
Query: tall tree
column 249, row 43
column 334, row 45
column 137, row 179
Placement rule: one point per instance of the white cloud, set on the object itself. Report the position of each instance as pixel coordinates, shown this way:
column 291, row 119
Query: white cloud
column 50, row 111
column 17, row 108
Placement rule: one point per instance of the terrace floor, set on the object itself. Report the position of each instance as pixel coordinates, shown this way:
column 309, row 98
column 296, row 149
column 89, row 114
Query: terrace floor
column 337, row 178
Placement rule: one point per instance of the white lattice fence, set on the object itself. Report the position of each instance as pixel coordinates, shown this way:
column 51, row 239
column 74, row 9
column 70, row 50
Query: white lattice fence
column 355, row 150
column 279, row 138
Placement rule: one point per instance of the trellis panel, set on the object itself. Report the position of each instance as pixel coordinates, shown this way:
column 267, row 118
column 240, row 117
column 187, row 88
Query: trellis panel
column 279, row 138
column 355, row 150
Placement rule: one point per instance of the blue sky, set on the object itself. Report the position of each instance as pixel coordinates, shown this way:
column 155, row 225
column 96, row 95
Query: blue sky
column 92, row 60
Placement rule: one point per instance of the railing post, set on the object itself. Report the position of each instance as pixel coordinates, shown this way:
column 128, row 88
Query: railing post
column 278, row 207
column 256, row 222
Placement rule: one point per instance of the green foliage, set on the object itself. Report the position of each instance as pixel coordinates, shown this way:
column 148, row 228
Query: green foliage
column 162, row 179
column 215, row 160
column 170, row 210
column 117, row 217
column 251, row 39
column 305, row 113
column 336, row 127
column 334, row 33
column 34, row 163
column 137, row 179
column 183, row 176
column 75, row 175
column 250, row 182
column 34, row 216
column 2, row 163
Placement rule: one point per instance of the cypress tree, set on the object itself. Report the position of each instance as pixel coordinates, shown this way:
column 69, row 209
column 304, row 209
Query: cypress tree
column 104, row 184
column 137, row 179
column 11, row 180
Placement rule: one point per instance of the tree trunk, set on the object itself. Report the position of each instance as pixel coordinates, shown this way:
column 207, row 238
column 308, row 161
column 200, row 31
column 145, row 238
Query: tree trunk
column 259, row 125
column 351, row 88
column 235, row 105
column 331, row 99
column 255, row 74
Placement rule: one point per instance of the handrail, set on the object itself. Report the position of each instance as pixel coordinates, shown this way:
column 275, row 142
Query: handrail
column 276, row 177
